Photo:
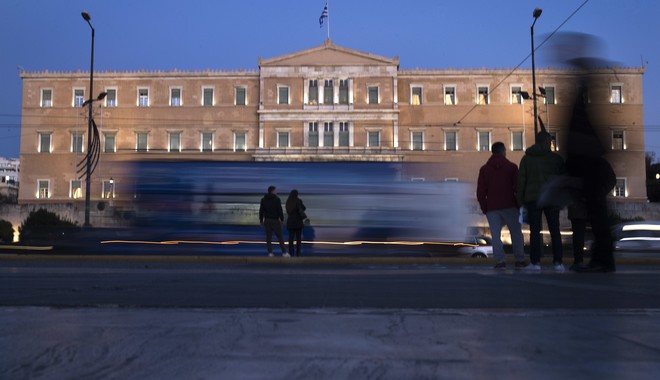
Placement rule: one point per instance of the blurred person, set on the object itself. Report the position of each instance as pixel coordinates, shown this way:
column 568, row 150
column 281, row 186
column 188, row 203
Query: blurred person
column 496, row 193
column 577, row 214
column 271, row 217
column 538, row 166
column 295, row 210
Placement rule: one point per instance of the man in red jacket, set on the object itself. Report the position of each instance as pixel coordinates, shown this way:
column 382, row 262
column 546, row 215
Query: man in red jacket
column 496, row 193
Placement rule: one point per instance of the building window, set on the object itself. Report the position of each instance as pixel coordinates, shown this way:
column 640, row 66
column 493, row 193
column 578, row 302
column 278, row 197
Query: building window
column 554, row 146
column 373, row 138
column 240, row 98
column 417, row 140
column 482, row 95
column 175, row 97
column 207, row 142
column 450, row 141
column 618, row 139
column 344, row 134
column 142, row 141
column 108, row 189
column 328, row 92
column 282, row 95
column 46, row 98
column 516, row 95
column 282, row 139
column 174, row 142
column 110, row 143
column 616, row 93
column 328, row 134
column 416, row 96
column 343, row 91
column 239, row 142
column 143, row 97
column 313, row 92
column 44, row 142
column 78, row 97
column 372, row 95
column 620, row 188
column 75, row 190
column 517, row 140
column 111, row 98
column 207, row 97
column 450, row 95
column 43, row 189
column 484, row 141
column 313, row 134
column 549, row 95
column 77, row 142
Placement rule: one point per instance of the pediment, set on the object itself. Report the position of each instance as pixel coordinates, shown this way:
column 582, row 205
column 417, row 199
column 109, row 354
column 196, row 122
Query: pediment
column 329, row 54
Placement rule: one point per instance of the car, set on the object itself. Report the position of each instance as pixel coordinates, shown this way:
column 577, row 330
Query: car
column 478, row 246
column 637, row 236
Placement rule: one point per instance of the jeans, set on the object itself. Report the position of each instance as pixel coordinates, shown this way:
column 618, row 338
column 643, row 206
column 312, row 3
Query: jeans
column 508, row 217
column 535, row 242
column 273, row 226
column 297, row 233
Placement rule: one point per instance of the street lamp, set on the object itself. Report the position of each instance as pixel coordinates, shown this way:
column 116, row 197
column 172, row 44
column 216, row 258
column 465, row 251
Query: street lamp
column 536, row 14
column 88, row 165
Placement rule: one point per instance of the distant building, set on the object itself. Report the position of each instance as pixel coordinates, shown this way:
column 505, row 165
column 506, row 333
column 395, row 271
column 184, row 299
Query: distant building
column 9, row 173
column 326, row 103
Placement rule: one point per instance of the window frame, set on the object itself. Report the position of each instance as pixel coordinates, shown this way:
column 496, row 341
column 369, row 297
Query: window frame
column 618, row 86
column 520, row 98
column 413, row 147
column 413, row 87
column 344, row 132
column 108, row 184
column 174, row 137
column 202, row 142
column 180, row 97
column 623, row 139
column 40, row 142
column 137, row 141
column 283, row 133
column 454, row 95
column 328, row 91
column 522, row 140
column 113, row 136
column 455, row 135
column 344, row 85
column 620, row 191
column 81, row 136
column 486, row 97
column 554, row 94
column 483, row 147
column 244, row 136
column 109, row 101
column 39, row 189
column 140, row 97
column 370, row 99
column 280, row 88
column 203, row 100
column 313, row 132
column 313, row 83
column 237, row 89
column 78, row 103
column 72, row 190
column 369, row 134
column 43, row 103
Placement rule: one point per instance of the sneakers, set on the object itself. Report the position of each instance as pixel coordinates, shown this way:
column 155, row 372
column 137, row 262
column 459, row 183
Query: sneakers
column 559, row 268
column 533, row 268
column 521, row 264
column 286, row 255
column 500, row 266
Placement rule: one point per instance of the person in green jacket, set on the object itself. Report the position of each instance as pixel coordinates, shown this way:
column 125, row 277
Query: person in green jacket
column 537, row 166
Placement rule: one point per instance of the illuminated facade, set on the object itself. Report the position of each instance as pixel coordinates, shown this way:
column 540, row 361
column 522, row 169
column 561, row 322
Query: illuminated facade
column 327, row 103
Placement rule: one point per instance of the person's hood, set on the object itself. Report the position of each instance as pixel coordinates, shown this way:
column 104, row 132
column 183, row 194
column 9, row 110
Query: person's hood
column 270, row 196
column 497, row 161
column 537, row 150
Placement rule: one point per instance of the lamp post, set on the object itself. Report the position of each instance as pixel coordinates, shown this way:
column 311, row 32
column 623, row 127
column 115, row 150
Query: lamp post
column 88, row 166
column 536, row 14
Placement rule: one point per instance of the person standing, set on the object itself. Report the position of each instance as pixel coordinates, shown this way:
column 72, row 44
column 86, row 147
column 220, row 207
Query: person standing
column 271, row 217
column 496, row 193
column 538, row 165
column 295, row 210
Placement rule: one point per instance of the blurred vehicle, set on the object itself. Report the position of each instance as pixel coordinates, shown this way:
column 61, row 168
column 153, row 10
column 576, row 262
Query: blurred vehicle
column 479, row 246
column 637, row 236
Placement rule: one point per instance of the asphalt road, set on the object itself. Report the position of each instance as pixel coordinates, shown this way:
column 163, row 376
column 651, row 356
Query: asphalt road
column 209, row 318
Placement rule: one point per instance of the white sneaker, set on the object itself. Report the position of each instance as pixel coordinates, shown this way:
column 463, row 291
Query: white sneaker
column 533, row 268
column 270, row 254
column 286, row 255
column 559, row 268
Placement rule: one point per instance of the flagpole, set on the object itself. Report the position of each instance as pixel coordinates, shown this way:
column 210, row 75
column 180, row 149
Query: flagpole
column 327, row 5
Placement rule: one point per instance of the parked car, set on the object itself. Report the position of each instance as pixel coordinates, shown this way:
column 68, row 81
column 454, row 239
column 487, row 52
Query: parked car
column 478, row 246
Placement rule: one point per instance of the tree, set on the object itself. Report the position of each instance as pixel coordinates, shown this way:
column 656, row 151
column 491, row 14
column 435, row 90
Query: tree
column 652, row 177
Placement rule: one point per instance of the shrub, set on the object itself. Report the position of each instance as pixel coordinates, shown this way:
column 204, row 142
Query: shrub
column 43, row 224
column 6, row 231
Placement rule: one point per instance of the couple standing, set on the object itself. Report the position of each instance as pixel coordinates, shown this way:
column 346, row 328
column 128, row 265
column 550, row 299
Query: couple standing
column 271, row 217
column 501, row 189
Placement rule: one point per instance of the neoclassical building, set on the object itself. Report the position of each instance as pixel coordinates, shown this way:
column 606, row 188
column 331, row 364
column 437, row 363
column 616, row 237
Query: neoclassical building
column 327, row 103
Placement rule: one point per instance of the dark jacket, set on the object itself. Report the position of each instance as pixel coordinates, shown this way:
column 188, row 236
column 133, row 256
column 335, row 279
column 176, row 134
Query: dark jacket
column 295, row 215
column 270, row 208
column 536, row 167
column 496, row 186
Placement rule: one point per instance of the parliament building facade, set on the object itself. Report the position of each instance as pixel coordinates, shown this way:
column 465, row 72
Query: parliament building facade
column 327, row 103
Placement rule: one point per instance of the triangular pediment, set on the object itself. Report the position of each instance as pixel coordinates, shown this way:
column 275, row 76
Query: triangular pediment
column 329, row 54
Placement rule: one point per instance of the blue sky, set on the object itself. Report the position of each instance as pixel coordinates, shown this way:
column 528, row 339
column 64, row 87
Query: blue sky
column 220, row 34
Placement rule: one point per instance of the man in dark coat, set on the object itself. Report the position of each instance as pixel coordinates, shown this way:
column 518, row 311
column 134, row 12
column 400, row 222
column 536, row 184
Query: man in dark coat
column 271, row 217
column 537, row 167
column 496, row 193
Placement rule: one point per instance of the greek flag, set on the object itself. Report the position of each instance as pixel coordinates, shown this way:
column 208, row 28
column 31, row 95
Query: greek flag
column 324, row 14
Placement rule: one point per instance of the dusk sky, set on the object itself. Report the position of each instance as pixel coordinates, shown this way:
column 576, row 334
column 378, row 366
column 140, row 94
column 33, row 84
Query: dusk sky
column 225, row 35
